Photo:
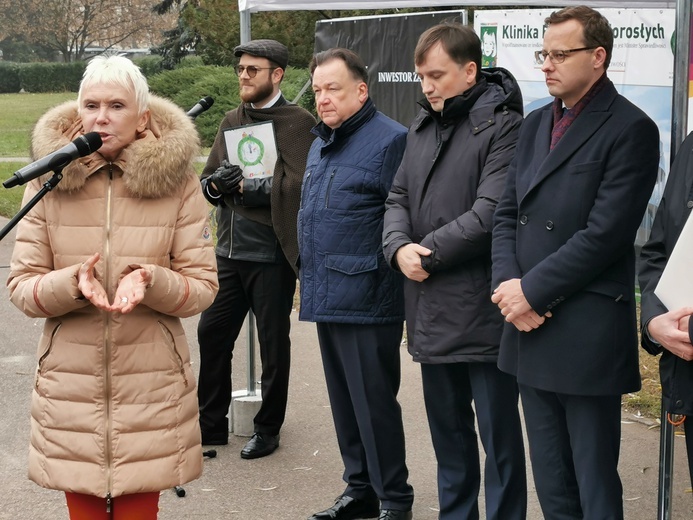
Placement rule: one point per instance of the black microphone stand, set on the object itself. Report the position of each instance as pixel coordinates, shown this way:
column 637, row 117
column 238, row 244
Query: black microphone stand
column 47, row 186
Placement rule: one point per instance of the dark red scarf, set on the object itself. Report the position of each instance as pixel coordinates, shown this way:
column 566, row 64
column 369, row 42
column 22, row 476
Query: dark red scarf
column 562, row 121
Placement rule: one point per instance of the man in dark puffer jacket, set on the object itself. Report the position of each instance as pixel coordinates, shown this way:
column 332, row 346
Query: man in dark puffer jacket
column 438, row 233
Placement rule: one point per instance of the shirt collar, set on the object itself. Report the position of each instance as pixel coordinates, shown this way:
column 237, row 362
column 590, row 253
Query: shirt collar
column 272, row 102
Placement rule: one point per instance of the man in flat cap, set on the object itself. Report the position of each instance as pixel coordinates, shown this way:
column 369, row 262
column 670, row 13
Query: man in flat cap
column 256, row 244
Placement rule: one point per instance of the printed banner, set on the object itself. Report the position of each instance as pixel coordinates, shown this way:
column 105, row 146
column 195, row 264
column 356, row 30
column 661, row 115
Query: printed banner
column 386, row 45
column 510, row 38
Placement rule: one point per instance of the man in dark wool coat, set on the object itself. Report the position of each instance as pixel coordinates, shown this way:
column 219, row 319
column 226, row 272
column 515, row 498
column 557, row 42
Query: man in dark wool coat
column 564, row 267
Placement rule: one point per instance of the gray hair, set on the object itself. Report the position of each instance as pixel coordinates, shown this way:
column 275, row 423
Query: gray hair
column 116, row 70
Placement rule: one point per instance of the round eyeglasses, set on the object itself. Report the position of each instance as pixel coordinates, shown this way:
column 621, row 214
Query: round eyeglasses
column 251, row 70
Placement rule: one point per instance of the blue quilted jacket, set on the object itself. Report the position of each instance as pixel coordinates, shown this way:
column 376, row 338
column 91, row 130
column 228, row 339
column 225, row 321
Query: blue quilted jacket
column 344, row 276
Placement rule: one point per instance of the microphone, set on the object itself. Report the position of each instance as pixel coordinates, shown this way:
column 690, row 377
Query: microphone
column 83, row 145
column 203, row 104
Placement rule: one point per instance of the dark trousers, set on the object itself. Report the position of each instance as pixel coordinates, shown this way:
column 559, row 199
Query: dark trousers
column 574, row 444
column 362, row 371
column 267, row 289
column 449, row 390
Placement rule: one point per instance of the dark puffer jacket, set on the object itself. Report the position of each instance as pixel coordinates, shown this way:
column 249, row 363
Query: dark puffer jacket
column 443, row 197
column 344, row 276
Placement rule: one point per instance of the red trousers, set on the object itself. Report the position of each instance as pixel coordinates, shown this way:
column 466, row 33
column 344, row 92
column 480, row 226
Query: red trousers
column 140, row 506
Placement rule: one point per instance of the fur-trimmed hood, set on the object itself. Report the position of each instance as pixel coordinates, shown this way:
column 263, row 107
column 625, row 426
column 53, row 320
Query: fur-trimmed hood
column 153, row 166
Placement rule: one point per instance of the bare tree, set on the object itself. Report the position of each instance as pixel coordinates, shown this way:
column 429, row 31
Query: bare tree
column 70, row 26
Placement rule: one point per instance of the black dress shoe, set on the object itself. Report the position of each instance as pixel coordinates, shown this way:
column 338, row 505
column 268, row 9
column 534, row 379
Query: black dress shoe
column 349, row 508
column 394, row 514
column 260, row 445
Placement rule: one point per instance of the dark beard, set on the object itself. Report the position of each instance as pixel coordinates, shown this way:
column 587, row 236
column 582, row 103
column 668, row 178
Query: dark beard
column 262, row 93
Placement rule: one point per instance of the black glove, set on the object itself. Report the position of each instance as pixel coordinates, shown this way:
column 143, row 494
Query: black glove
column 226, row 178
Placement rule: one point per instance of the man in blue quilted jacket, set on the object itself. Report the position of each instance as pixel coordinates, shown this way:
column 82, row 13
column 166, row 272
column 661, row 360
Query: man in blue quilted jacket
column 348, row 289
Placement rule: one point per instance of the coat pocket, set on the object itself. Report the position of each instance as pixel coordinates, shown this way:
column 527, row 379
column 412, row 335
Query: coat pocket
column 612, row 289
column 44, row 350
column 352, row 282
column 177, row 359
column 585, row 167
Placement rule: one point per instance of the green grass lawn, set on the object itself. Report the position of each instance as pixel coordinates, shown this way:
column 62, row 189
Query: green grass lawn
column 11, row 199
column 20, row 113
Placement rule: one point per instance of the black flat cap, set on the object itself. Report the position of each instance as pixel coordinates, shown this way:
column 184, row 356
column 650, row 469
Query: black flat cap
column 270, row 49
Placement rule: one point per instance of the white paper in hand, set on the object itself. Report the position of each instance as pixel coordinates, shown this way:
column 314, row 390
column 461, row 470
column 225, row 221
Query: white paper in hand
column 675, row 287
column 253, row 148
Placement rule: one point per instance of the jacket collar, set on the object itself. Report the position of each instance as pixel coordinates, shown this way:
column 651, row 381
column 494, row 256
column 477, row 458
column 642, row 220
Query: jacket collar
column 595, row 114
column 499, row 91
column 350, row 126
column 456, row 108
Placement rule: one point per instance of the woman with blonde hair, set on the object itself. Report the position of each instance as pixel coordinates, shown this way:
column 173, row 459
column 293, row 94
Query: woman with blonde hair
column 112, row 259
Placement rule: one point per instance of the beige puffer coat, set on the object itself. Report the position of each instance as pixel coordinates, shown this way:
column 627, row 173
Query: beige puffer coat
column 114, row 405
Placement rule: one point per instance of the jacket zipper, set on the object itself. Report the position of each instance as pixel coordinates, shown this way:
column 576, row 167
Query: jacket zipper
column 305, row 187
column 233, row 217
column 439, row 145
column 329, row 187
column 107, row 340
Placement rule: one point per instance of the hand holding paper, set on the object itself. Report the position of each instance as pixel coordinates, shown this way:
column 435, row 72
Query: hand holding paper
column 675, row 287
column 665, row 329
column 227, row 178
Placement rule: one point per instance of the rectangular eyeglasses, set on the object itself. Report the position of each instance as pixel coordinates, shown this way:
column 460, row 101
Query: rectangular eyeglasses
column 556, row 56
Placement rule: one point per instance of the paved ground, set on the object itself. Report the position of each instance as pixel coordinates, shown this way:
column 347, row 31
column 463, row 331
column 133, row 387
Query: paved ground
column 304, row 475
